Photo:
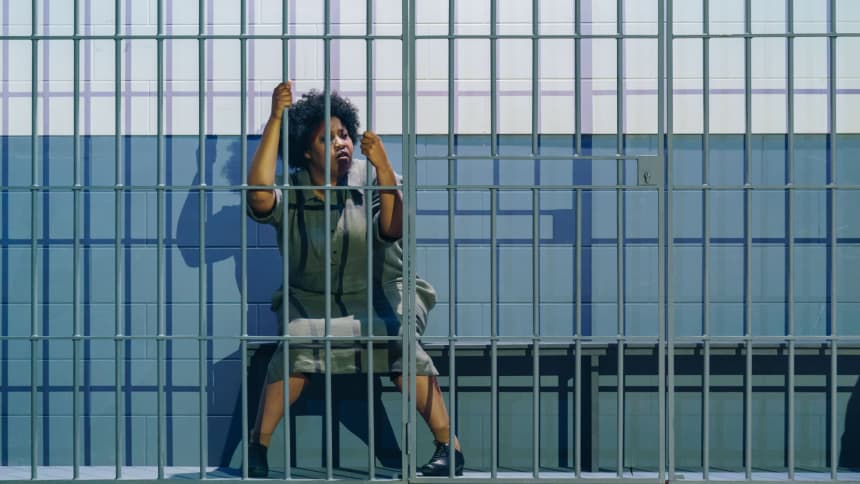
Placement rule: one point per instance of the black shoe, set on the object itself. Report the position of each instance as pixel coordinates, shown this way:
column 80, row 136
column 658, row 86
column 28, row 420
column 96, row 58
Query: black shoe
column 258, row 464
column 441, row 460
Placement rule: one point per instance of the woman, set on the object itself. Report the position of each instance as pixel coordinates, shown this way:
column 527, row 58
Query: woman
column 306, row 234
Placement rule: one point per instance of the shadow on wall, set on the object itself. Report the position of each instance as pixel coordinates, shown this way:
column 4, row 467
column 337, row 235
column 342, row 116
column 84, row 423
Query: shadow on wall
column 224, row 371
column 222, row 232
column 849, row 455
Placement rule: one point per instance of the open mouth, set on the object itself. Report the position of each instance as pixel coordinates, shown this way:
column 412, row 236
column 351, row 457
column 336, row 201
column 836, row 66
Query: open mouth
column 343, row 156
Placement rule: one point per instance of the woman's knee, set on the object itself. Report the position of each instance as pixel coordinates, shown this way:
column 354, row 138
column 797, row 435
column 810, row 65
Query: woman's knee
column 298, row 381
column 421, row 380
column 397, row 380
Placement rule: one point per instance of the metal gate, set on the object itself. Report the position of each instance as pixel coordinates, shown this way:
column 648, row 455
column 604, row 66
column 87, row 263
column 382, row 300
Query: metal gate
column 587, row 281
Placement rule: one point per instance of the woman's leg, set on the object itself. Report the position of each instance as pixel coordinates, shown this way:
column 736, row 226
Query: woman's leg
column 272, row 407
column 431, row 406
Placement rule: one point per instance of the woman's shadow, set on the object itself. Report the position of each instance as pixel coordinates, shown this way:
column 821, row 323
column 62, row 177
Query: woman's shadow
column 849, row 455
column 222, row 225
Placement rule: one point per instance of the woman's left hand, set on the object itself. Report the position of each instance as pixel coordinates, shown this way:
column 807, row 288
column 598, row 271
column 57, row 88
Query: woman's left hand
column 373, row 149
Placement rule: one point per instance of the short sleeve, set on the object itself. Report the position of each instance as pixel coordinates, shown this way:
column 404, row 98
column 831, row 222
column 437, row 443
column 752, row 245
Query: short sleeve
column 274, row 216
column 381, row 239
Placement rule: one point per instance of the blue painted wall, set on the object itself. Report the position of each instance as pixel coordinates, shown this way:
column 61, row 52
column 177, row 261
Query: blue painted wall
column 769, row 262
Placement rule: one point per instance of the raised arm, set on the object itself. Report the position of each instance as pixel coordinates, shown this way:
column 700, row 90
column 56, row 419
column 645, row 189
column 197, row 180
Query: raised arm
column 262, row 170
column 390, row 201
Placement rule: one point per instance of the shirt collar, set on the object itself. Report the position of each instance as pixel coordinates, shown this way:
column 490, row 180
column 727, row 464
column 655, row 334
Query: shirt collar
column 303, row 178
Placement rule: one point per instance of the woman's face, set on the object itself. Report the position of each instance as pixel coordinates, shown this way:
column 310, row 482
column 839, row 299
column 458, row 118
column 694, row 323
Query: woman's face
column 341, row 150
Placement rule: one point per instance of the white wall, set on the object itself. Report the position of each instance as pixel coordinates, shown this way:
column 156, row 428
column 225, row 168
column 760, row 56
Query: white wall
column 471, row 66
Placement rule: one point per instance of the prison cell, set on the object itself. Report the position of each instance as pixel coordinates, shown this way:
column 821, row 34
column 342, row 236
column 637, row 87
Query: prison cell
column 583, row 260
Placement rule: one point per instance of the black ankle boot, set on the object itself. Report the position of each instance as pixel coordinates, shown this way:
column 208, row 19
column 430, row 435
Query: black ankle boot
column 439, row 464
column 258, row 463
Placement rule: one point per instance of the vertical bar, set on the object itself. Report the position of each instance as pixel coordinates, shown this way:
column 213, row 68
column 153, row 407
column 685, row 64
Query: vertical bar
column 706, row 407
column 494, row 92
column 118, row 253
column 160, row 263
column 577, row 77
column 243, row 227
column 201, row 168
column 619, row 86
column 748, row 237
column 494, row 322
column 619, row 224
column 789, row 5
column 76, row 247
column 35, row 191
column 494, row 336
column 664, row 205
column 329, row 456
column 451, row 92
column 577, row 399
column 452, row 241
column 666, row 31
column 535, row 245
column 706, row 242
column 371, row 442
column 535, row 75
column 408, row 53
column 620, row 397
column 368, row 215
column 831, row 162
column 661, row 345
column 536, row 332
column 368, row 39
column 285, row 244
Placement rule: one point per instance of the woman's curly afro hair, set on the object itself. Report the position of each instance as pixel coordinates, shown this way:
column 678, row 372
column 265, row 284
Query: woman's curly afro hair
column 305, row 117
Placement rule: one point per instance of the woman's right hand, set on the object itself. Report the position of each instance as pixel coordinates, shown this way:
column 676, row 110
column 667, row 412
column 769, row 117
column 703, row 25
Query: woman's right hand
column 282, row 98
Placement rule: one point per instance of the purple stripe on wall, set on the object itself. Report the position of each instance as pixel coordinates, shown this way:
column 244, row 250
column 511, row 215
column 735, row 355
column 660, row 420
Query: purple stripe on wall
column 430, row 92
column 464, row 92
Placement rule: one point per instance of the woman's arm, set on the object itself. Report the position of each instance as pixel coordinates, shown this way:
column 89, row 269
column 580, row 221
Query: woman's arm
column 390, row 201
column 262, row 170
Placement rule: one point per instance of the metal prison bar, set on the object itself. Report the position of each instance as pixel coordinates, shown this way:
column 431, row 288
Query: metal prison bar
column 664, row 189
